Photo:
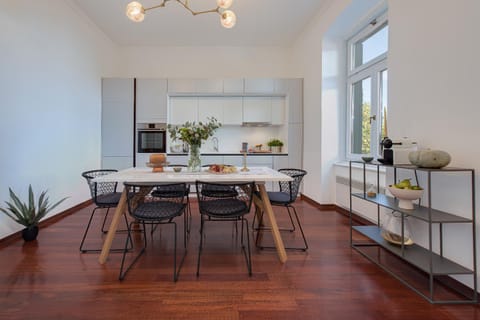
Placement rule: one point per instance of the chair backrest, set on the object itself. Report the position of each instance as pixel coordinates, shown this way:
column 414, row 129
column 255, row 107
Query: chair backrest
column 139, row 192
column 292, row 187
column 216, row 203
column 98, row 189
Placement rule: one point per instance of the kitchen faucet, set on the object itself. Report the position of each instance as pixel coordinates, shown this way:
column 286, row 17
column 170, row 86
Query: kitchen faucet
column 215, row 144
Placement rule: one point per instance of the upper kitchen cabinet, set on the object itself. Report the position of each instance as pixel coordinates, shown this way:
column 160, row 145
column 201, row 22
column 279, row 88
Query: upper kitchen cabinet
column 151, row 100
column 183, row 109
column 117, row 123
column 260, row 86
column 278, row 110
column 257, row 109
column 213, row 86
column 295, row 100
column 209, row 107
column 232, row 111
column 233, row 86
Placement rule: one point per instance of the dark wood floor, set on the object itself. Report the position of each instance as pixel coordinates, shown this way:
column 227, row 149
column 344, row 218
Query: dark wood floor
column 51, row 279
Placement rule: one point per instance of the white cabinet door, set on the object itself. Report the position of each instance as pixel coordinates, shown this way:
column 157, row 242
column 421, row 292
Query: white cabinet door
column 265, row 85
column 232, row 111
column 118, row 163
column 183, row 109
column 117, row 117
column 182, row 85
column 233, row 86
column 295, row 101
column 257, row 109
column 151, row 100
column 295, row 143
column 278, row 110
column 209, row 107
column 209, row 86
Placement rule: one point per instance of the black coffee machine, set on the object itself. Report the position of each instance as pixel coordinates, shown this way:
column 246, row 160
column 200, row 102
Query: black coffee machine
column 387, row 152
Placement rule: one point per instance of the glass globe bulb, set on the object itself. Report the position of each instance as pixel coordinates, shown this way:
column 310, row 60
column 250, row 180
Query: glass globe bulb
column 224, row 4
column 135, row 11
column 228, row 19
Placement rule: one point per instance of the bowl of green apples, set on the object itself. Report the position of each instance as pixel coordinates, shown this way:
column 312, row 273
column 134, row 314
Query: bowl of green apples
column 405, row 192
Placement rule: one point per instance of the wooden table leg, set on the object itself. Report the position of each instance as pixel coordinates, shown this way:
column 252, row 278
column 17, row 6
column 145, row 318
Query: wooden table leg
column 119, row 211
column 282, row 254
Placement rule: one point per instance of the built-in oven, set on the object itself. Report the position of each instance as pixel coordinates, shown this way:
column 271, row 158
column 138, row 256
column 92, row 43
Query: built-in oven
column 152, row 140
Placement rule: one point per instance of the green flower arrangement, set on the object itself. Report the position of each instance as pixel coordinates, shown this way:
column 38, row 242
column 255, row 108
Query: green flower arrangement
column 193, row 133
column 275, row 143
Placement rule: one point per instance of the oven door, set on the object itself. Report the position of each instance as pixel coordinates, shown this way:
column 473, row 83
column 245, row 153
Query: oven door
column 152, row 141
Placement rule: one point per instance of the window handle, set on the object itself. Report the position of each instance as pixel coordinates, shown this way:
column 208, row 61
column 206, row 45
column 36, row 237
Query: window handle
column 374, row 117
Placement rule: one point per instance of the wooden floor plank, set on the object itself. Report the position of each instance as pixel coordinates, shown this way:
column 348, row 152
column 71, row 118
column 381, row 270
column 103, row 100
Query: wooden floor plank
column 50, row 279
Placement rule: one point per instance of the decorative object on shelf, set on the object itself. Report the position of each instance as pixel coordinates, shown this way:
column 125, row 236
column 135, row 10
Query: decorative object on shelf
column 371, row 191
column 405, row 193
column 275, row 145
column 27, row 214
column 194, row 134
column 434, row 159
column 136, row 11
column 392, row 229
column 367, row 159
column 157, row 162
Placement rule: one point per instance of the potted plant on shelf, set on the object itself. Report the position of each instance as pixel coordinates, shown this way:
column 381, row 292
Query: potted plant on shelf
column 275, row 145
column 27, row 214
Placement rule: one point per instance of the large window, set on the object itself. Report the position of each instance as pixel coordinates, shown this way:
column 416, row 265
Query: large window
column 367, row 89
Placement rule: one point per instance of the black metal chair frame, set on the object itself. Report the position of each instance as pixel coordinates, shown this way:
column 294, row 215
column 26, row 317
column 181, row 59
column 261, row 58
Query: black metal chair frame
column 137, row 199
column 291, row 188
column 98, row 191
column 244, row 191
column 188, row 216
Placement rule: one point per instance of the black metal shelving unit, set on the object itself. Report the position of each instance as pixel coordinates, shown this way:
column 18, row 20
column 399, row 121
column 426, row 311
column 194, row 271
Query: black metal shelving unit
column 434, row 264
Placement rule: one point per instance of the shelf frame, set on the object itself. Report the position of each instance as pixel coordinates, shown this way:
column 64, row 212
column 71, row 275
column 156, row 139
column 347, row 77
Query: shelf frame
column 425, row 259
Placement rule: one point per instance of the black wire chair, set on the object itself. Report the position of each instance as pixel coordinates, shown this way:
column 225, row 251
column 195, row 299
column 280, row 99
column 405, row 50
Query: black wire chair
column 154, row 210
column 105, row 196
column 167, row 192
column 218, row 207
column 284, row 198
column 218, row 190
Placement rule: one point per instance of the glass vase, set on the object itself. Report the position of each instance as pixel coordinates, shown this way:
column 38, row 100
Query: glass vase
column 194, row 163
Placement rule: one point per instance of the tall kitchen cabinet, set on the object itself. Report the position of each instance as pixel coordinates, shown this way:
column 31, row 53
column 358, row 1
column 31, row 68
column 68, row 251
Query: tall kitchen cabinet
column 117, row 123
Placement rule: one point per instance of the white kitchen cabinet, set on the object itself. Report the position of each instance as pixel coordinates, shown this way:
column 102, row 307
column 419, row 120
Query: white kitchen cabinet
column 264, row 86
column 183, row 109
column 151, row 100
column 182, row 85
column 118, row 163
column 281, row 86
column 295, row 145
column 233, row 86
column 278, row 110
column 209, row 86
column 181, row 160
column 257, row 109
column 295, row 101
column 117, row 120
column 210, row 107
column 232, row 110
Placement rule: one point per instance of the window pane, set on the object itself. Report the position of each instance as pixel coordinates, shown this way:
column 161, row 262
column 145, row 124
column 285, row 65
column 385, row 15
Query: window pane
column 383, row 103
column 361, row 109
column 371, row 47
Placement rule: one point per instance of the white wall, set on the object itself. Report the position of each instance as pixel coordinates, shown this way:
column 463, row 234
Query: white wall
column 433, row 95
column 207, row 62
column 51, row 66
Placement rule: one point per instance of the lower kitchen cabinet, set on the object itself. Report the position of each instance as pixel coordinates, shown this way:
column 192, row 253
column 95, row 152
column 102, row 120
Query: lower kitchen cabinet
column 118, row 163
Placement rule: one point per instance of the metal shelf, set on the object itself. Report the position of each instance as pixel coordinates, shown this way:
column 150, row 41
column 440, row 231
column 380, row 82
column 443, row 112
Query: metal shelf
column 419, row 212
column 414, row 254
column 424, row 259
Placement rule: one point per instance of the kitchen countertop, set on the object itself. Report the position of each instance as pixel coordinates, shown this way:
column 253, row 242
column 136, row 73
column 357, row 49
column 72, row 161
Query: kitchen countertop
column 230, row 154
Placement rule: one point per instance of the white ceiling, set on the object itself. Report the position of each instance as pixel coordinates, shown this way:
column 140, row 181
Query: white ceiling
column 259, row 22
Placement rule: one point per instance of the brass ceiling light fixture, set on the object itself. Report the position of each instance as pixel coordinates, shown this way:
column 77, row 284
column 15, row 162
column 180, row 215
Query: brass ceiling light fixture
column 136, row 12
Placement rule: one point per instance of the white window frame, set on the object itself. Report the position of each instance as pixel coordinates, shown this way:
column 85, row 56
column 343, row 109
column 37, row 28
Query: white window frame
column 372, row 69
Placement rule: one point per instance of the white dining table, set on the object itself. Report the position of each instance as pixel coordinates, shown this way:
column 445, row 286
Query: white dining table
column 260, row 175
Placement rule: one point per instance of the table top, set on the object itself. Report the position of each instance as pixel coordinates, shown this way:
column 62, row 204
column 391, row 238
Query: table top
column 257, row 174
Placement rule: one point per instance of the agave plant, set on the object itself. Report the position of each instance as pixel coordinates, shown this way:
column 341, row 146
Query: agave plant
column 25, row 214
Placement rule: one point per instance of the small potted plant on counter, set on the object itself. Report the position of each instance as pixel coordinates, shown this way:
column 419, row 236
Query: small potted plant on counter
column 275, row 145
column 27, row 214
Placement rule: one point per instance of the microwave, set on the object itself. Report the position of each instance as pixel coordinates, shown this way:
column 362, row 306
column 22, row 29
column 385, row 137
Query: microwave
column 152, row 140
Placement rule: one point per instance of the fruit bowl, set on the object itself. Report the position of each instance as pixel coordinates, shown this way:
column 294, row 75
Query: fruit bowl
column 405, row 196
column 367, row 159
